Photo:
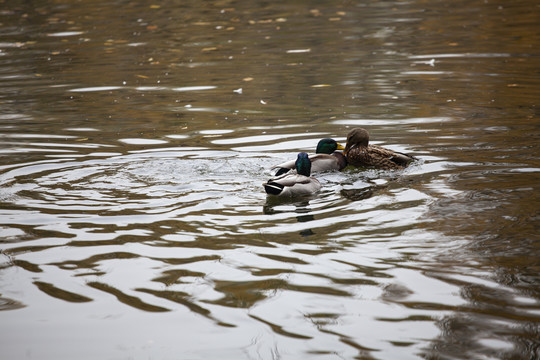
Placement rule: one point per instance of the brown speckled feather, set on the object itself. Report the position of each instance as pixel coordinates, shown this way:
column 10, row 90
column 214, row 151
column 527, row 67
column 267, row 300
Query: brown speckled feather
column 373, row 156
column 359, row 153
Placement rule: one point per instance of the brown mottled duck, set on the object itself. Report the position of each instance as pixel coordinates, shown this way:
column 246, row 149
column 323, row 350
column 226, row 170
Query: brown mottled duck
column 359, row 153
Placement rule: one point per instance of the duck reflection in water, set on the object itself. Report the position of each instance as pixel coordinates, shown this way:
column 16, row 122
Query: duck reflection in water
column 281, row 205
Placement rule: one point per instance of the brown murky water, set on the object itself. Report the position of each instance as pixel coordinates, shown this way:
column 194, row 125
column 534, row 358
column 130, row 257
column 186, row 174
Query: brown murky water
column 134, row 138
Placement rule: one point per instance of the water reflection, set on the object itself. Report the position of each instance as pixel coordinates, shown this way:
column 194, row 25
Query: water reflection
column 276, row 205
column 131, row 165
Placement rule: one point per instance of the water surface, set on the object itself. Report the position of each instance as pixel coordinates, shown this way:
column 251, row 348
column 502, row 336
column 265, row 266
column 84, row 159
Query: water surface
column 135, row 138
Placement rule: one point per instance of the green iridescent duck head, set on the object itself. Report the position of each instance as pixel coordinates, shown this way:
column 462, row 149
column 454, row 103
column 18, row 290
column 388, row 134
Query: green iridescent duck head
column 328, row 146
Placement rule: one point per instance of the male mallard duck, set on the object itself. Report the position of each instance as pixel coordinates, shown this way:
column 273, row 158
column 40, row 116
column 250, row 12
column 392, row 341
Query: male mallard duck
column 326, row 158
column 360, row 153
column 300, row 183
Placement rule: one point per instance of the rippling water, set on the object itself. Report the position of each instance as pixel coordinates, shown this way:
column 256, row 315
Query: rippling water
column 135, row 136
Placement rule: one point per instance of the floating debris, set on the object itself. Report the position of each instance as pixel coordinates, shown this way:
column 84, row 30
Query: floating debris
column 298, row 51
column 95, row 88
column 65, row 33
column 194, row 88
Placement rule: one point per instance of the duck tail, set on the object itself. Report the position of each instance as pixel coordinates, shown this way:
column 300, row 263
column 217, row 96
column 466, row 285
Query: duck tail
column 402, row 159
column 273, row 188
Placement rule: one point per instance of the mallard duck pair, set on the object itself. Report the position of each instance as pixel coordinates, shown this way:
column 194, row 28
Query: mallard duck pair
column 357, row 152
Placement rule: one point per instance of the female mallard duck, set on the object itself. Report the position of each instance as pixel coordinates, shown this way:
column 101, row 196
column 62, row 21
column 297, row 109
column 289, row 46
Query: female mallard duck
column 359, row 153
column 297, row 184
column 326, row 158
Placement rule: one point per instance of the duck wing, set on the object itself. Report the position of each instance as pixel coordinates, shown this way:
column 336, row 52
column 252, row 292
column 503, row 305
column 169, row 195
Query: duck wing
column 402, row 159
column 290, row 179
column 386, row 158
column 326, row 162
column 319, row 163
column 306, row 187
column 291, row 185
